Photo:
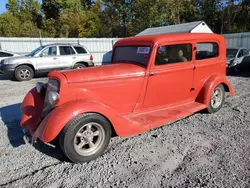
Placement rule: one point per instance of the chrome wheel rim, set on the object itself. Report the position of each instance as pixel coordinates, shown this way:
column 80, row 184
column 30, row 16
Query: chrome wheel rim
column 89, row 139
column 24, row 73
column 217, row 97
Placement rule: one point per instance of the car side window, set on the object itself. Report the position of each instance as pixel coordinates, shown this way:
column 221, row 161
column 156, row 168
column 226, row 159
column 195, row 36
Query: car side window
column 51, row 51
column 3, row 54
column 240, row 54
column 245, row 52
column 206, row 50
column 176, row 53
column 66, row 50
column 80, row 50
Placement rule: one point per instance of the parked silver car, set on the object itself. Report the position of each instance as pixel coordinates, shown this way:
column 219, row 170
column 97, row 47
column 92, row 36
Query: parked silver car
column 47, row 58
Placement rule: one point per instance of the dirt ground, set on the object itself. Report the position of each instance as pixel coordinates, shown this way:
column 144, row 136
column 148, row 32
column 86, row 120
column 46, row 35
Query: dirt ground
column 203, row 150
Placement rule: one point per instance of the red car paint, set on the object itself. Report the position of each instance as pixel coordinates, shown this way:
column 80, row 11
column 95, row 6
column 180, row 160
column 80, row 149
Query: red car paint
column 134, row 98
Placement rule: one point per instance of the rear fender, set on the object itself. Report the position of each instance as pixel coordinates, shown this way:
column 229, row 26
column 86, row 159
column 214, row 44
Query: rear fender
column 52, row 125
column 207, row 89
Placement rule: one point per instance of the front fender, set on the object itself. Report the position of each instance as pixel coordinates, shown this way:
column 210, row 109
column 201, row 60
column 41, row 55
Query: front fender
column 52, row 125
column 207, row 89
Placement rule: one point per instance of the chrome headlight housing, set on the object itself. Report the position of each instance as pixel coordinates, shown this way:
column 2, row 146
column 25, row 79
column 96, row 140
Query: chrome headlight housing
column 53, row 85
column 52, row 96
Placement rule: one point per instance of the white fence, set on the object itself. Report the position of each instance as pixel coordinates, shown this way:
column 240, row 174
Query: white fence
column 100, row 47
column 238, row 40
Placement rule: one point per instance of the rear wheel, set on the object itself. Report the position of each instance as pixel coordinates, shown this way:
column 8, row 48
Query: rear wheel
column 217, row 99
column 24, row 73
column 79, row 66
column 85, row 138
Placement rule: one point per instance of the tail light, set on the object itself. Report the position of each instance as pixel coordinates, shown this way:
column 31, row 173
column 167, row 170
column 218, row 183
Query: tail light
column 91, row 58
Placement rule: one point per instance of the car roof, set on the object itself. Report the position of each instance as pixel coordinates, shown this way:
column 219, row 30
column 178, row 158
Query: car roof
column 152, row 39
column 66, row 44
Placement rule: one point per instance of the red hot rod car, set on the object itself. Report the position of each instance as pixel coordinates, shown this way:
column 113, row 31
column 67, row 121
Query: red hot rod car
column 151, row 81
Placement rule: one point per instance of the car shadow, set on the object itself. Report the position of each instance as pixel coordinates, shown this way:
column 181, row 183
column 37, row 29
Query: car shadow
column 11, row 78
column 240, row 74
column 51, row 150
column 10, row 116
column 5, row 77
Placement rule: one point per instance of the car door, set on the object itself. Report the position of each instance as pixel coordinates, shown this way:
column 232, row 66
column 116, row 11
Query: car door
column 67, row 56
column 48, row 59
column 171, row 76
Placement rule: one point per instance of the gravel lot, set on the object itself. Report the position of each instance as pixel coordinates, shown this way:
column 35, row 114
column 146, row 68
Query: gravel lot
column 202, row 150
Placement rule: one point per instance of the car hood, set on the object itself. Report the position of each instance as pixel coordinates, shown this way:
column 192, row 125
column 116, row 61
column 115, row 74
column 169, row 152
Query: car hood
column 105, row 72
column 18, row 59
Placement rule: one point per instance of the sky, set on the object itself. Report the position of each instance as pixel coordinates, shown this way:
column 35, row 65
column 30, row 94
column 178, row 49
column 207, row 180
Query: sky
column 3, row 3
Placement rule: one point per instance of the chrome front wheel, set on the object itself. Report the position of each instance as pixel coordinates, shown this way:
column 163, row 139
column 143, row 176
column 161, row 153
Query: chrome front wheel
column 89, row 139
column 85, row 138
column 217, row 99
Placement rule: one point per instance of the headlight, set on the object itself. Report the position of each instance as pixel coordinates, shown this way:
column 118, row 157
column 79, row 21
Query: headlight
column 53, row 98
column 235, row 62
column 5, row 61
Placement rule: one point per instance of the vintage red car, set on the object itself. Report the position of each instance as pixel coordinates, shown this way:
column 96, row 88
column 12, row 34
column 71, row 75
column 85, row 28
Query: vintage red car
column 151, row 81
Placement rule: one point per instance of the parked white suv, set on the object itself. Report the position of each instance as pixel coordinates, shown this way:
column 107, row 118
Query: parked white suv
column 45, row 59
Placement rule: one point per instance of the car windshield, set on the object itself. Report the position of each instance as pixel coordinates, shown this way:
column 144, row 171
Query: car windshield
column 34, row 52
column 231, row 53
column 132, row 54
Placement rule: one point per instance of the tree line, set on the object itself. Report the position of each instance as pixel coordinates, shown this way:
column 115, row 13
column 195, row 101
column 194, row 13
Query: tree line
column 113, row 18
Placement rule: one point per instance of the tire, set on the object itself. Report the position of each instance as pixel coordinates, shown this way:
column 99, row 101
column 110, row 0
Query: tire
column 79, row 66
column 217, row 99
column 77, row 135
column 24, row 73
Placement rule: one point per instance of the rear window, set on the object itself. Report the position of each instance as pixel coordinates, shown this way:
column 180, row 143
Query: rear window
column 207, row 50
column 66, row 50
column 80, row 50
column 133, row 54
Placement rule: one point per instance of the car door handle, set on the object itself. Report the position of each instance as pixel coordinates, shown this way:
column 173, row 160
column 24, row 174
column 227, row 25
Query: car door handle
column 55, row 58
column 152, row 74
column 73, row 57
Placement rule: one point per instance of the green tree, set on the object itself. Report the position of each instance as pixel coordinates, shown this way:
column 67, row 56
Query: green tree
column 71, row 5
column 51, row 9
column 9, row 25
column 13, row 6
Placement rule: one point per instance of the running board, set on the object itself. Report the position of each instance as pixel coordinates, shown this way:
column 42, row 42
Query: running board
column 156, row 118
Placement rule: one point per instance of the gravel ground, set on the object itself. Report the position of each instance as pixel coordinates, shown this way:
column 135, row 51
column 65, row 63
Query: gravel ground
column 203, row 150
